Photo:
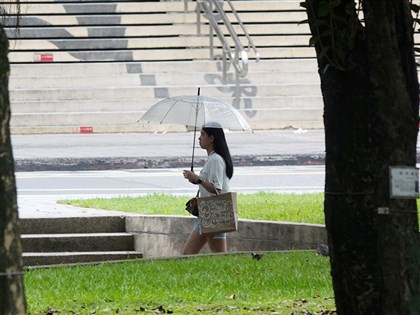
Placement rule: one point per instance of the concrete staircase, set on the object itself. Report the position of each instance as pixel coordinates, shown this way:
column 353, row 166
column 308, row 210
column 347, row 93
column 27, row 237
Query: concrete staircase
column 112, row 97
column 50, row 241
column 103, row 64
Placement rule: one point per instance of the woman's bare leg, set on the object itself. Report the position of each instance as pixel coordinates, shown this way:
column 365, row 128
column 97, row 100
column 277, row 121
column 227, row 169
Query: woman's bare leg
column 194, row 243
column 217, row 245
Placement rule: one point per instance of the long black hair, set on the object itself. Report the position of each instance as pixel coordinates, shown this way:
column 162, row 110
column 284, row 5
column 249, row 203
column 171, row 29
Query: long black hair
column 220, row 147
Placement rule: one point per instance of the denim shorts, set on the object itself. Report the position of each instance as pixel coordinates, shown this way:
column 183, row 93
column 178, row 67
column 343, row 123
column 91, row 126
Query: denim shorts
column 218, row 236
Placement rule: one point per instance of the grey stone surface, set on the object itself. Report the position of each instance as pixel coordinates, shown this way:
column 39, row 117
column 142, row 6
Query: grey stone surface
column 164, row 236
column 56, row 225
column 80, row 239
column 75, row 242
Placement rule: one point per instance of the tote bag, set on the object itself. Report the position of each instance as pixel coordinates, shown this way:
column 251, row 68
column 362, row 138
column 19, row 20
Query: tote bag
column 218, row 213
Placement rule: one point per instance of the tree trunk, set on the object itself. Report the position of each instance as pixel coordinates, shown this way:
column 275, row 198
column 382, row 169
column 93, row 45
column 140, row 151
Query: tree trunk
column 12, row 298
column 370, row 90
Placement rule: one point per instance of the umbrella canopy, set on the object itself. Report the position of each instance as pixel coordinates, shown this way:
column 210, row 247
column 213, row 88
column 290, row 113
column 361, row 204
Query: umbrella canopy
column 195, row 111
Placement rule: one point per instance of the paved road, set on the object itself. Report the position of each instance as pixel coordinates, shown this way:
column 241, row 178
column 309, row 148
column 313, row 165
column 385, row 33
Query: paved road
column 118, row 151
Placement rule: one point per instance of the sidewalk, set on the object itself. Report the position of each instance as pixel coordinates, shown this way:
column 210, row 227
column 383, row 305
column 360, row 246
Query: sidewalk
column 162, row 150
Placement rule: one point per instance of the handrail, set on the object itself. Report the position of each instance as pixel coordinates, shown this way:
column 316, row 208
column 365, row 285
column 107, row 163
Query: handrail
column 239, row 57
column 248, row 37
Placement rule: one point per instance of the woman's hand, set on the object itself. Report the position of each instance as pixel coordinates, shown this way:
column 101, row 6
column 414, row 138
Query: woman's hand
column 191, row 176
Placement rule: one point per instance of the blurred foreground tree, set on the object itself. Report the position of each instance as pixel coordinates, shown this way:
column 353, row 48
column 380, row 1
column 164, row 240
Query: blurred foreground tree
column 366, row 63
column 12, row 297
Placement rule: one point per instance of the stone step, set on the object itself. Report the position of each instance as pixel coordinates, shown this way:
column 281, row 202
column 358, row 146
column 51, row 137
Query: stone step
column 107, row 118
column 133, row 106
column 105, row 19
column 77, row 242
column 105, row 32
column 157, row 54
column 117, row 31
column 44, row 259
column 49, row 241
column 159, row 79
column 146, row 18
column 86, row 44
column 110, row 122
column 39, row 7
column 97, row 224
column 115, row 55
column 33, row 7
column 277, row 67
column 143, row 92
column 114, row 80
column 310, row 96
column 277, row 110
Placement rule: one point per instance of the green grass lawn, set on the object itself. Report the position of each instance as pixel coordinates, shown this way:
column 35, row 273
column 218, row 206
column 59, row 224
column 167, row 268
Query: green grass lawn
column 278, row 283
column 301, row 208
column 304, row 208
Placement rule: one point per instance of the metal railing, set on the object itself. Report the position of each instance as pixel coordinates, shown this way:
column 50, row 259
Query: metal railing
column 217, row 17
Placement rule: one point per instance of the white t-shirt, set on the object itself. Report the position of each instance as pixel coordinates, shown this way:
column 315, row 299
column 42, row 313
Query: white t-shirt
column 214, row 171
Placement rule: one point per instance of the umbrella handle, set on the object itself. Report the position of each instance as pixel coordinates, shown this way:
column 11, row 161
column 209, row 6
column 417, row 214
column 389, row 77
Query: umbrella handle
column 192, row 161
column 195, row 132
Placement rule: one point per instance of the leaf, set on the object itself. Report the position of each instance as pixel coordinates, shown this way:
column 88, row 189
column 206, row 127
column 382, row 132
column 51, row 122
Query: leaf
column 161, row 310
column 312, row 41
column 51, row 311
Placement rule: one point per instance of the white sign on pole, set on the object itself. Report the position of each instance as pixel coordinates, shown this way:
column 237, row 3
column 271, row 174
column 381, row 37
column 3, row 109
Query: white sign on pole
column 404, row 182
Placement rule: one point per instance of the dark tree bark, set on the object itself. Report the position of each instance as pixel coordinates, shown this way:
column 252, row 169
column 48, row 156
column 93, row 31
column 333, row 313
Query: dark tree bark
column 370, row 90
column 12, row 298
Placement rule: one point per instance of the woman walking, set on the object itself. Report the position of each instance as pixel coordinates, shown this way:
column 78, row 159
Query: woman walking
column 214, row 178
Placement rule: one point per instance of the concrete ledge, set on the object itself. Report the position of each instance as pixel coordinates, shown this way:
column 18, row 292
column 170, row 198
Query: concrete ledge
column 164, row 236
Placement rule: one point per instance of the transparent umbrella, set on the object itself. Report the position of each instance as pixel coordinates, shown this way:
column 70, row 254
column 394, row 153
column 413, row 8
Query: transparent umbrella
column 195, row 111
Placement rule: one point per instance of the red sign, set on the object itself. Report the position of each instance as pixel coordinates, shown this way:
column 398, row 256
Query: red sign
column 86, row 129
column 43, row 57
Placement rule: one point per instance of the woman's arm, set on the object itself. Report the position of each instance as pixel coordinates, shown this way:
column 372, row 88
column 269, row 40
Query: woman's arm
column 195, row 179
column 207, row 185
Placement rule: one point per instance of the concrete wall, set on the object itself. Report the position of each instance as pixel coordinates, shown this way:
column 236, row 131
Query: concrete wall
column 163, row 236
